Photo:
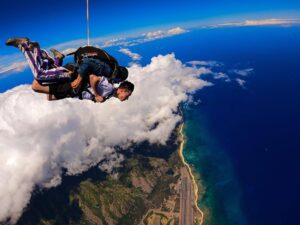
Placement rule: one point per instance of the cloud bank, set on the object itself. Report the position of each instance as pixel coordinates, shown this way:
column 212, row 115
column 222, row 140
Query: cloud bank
column 39, row 138
column 14, row 63
column 164, row 33
column 264, row 22
column 15, row 67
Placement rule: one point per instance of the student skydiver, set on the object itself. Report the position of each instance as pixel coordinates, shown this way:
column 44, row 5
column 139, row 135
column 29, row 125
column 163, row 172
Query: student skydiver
column 57, row 81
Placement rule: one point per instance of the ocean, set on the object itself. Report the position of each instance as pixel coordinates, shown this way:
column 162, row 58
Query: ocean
column 244, row 141
column 241, row 141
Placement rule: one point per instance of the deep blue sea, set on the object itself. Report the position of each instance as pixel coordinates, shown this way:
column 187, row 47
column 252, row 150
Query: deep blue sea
column 244, row 143
column 256, row 129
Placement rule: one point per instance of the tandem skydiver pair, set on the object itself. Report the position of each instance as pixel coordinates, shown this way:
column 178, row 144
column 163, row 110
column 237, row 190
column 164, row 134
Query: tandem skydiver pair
column 92, row 75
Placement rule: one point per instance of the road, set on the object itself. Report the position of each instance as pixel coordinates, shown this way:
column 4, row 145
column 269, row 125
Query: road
column 186, row 199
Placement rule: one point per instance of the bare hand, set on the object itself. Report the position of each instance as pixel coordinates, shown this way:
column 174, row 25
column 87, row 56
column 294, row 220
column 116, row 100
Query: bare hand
column 99, row 98
column 75, row 84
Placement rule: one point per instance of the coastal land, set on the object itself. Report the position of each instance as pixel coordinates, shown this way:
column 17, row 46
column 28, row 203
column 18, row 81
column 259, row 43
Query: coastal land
column 153, row 186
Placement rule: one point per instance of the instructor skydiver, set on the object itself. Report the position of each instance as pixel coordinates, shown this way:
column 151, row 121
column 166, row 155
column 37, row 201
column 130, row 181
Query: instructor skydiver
column 57, row 81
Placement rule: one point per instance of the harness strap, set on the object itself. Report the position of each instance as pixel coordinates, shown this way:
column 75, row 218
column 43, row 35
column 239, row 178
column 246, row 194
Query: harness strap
column 115, row 69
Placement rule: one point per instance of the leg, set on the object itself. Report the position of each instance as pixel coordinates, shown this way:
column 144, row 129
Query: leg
column 58, row 56
column 58, row 62
column 48, row 61
column 35, row 61
column 42, row 89
column 37, row 87
column 52, row 62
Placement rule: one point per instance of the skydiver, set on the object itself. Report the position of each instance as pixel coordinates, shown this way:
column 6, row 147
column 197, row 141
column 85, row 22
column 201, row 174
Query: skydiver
column 57, row 82
column 94, row 60
column 101, row 90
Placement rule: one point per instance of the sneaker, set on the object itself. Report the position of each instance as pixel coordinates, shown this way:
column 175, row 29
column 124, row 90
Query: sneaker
column 57, row 54
column 16, row 41
column 33, row 45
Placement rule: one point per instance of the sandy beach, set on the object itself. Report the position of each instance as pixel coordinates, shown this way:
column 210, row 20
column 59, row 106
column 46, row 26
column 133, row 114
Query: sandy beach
column 195, row 187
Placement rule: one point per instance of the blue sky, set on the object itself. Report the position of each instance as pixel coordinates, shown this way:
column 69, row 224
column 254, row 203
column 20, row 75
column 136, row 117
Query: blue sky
column 53, row 21
column 62, row 24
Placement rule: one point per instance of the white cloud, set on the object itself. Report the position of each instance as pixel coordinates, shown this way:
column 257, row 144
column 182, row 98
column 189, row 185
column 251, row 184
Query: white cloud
column 176, row 31
column 11, row 63
column 243, row 72
column 70, row 44
column 163, row 33
column 264, row 22
column 114, row 161
column 205, row 63
column 15, row 67
column 124, row 40
column 111, row 42
column 227, row 80
column 241, row 82
column 155, row 34
column 68, row 51
column 269, row 22
column 133, row 56
column 221, row 75
column 38, row 138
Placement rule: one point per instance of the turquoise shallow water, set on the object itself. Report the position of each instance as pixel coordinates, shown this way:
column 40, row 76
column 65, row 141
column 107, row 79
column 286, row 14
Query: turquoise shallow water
column 220, row 193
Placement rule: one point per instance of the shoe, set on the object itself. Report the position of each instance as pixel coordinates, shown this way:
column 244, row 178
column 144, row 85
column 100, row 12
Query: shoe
column 16, row 41
column 57, row 54
column 33, row 45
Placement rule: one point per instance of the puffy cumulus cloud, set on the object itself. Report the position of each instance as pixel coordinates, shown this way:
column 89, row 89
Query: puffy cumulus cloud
column 132, row 55
column 38, row 138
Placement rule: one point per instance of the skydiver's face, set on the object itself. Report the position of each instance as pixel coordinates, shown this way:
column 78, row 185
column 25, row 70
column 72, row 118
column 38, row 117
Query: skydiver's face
column 123, row 94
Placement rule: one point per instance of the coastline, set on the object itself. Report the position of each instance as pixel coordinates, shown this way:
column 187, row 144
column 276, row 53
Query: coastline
column 195, row 186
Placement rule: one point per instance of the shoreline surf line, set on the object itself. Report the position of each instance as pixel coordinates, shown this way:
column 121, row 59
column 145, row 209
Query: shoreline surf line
column 180, row 151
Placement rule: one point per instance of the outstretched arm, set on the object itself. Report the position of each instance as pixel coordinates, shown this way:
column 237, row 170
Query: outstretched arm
column 94, row 80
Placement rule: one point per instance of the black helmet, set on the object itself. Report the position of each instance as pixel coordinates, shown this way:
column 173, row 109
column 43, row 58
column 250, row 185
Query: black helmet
column 122, row 74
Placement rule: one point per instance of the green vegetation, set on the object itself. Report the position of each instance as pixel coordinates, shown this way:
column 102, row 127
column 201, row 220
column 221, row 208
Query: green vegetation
column 143, row 183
